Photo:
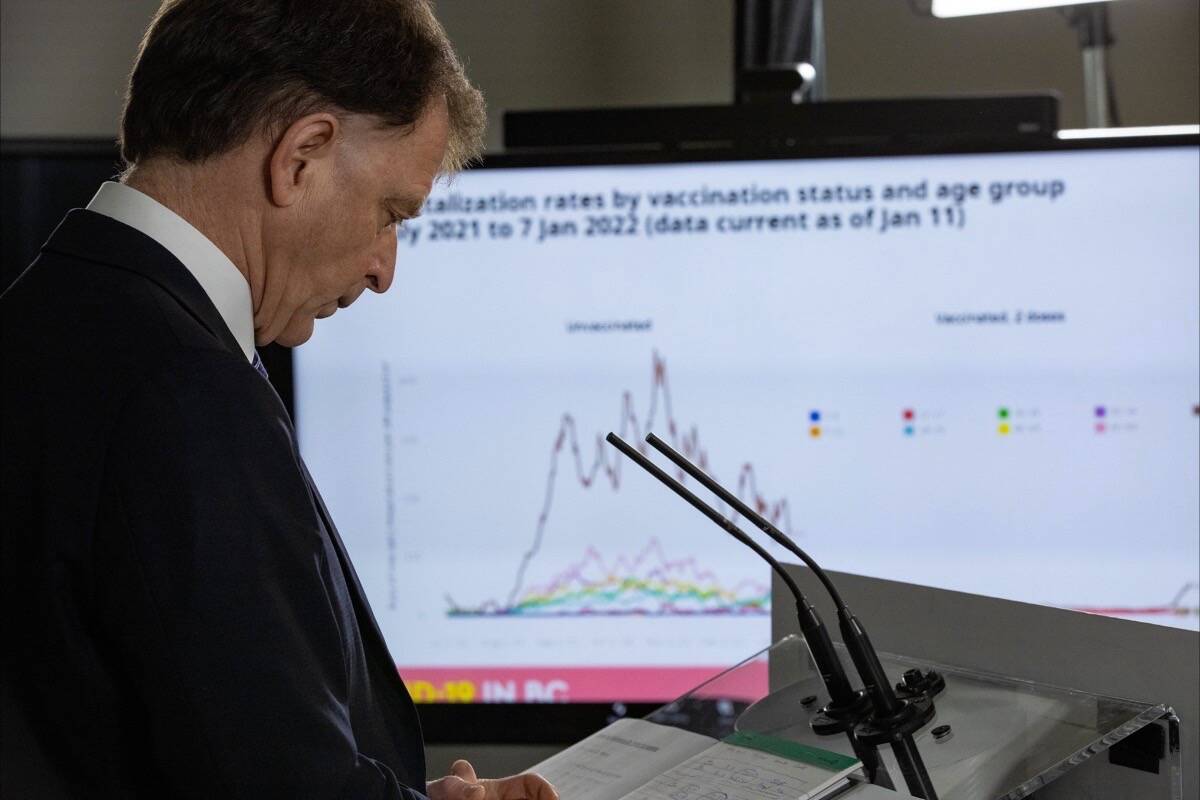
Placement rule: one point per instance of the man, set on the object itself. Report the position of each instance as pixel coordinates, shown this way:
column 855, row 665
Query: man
column 181, row 616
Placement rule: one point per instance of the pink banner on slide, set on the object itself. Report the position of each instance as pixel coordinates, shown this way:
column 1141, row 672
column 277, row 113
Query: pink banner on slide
column 576, row 684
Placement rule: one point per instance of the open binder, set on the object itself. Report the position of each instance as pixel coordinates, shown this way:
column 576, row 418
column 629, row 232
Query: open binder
column 635, row 759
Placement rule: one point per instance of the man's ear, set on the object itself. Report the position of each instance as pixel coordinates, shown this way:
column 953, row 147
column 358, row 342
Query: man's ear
column 305, row 145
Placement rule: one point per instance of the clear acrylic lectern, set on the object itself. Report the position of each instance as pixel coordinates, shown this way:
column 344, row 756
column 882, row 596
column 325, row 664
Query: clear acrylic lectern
column 997, row 737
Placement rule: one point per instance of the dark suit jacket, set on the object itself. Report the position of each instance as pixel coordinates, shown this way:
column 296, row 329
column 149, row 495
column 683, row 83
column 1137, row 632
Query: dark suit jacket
column 180, row 615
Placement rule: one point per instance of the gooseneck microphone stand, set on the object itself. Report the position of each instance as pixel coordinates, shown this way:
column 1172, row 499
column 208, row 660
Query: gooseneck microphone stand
column 847, row 708
column 892, row 720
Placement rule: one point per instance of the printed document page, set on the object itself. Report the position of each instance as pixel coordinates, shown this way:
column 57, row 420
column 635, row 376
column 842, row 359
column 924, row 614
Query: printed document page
column 638, row 760
column 750, row 767
column 618, row 759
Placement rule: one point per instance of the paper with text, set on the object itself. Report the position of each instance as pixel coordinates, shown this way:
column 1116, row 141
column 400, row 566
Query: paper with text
column 726, row 772
column 639, row 760
column 620, row 758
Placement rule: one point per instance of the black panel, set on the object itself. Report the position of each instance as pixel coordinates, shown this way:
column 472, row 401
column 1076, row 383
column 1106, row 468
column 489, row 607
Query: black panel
column 521, row 723
column 1143, row 750
column 42, row 181
column 785, row 127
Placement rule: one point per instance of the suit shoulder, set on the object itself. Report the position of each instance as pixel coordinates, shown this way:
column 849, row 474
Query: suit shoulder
column 213, row 383
column 98, row 325
column 205, row 424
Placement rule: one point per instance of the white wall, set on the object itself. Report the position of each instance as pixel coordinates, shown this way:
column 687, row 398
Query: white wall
column 64, row 62
column 878, row 48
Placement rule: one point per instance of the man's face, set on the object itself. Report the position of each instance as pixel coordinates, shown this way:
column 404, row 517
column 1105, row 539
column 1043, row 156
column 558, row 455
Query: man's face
column 340, row 238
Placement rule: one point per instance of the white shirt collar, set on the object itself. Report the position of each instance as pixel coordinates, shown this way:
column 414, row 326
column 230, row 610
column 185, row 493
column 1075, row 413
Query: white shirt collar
column 225, row 286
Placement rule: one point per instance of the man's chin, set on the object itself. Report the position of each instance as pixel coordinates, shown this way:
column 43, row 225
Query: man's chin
column 298, row 331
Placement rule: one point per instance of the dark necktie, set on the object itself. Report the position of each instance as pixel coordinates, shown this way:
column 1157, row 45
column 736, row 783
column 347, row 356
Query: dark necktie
column 258, row 365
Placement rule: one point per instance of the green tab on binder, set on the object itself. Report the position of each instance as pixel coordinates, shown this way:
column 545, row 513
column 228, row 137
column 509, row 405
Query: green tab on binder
column 793, row 751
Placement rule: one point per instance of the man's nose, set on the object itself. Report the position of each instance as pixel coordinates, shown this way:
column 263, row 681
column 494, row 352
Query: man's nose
column 383, row 264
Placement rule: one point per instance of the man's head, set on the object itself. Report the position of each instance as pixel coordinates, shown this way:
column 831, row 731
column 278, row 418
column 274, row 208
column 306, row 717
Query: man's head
column 315, row 126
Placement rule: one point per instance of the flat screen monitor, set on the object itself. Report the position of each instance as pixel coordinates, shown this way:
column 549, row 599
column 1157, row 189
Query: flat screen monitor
column 971, row 370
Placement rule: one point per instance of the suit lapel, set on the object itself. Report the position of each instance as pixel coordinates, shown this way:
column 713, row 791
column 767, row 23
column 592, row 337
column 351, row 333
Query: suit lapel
column 366, row 619
column 360, row 597
column 94, row 237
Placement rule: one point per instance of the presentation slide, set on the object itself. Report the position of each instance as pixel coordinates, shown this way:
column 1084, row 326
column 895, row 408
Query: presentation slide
column 978, row 372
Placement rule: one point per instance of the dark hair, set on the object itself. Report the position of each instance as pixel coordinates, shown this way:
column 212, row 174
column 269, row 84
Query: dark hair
column 211, row 73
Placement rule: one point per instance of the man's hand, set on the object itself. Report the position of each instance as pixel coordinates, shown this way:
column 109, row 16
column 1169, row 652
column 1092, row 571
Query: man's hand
column 461, row 784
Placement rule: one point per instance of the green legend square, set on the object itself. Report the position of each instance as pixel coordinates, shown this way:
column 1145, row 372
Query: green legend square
column 1002, row 412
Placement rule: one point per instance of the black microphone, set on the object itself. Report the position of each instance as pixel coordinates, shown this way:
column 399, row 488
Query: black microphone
column 847, row 706
column 892, row 720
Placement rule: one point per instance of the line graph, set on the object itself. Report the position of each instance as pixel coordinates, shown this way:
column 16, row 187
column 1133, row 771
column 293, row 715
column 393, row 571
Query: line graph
column 649, row 583
column 629, row 586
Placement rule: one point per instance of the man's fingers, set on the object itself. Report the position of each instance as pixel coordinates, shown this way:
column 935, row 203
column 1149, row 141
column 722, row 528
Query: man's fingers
column 540, row 788
column 528, row 786
column 453, row 787
column 463, row 769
